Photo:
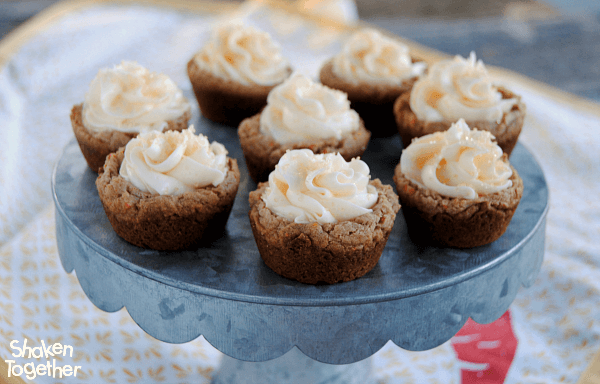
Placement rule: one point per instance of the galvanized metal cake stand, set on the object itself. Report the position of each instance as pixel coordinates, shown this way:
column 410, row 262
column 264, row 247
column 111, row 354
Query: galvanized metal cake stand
column 418, row 297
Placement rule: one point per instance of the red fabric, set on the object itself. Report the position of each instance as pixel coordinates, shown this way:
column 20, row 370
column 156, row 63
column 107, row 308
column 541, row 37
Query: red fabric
column 485, row 350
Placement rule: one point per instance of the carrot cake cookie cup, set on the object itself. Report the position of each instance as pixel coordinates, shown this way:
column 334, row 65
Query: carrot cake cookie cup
column 374, row 70
column 460, row 88
column 320, row 220
column 122, row 102
column 234, row 72
column 301, row 114
column 457, row 188
column 168, row 191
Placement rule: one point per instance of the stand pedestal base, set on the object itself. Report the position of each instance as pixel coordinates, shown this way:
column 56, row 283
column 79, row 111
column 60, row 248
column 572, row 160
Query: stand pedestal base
column 292, row 368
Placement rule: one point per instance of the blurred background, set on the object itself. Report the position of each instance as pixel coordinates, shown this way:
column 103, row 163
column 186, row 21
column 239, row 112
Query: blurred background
column 553, row 41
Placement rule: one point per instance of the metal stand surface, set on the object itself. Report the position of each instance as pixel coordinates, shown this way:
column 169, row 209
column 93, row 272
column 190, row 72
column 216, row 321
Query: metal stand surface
column 416, row 296
column 292, row 368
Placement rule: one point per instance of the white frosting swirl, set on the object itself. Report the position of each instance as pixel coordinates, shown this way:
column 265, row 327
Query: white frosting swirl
column 370, row 57
column 173, row 163
column 301, row 109
column 129, row 98
column 459, row 162
column 458, row 88
column 308, row 188
column 243, row 54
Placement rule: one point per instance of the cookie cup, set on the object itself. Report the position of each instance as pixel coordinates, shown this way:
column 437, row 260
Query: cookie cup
column 433, row 219
column 506, row 132
column 226, row 101
column 262, row 152
column 373, row 102
column 329, row 253
column 95, row 146
column 165, row 222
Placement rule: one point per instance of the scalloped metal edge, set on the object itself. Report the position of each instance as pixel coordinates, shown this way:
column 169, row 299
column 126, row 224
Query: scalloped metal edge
column 334, row 334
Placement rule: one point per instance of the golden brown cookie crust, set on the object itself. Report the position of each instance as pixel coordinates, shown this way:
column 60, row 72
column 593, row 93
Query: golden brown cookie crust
column 95, row 146
column 456, row 222
column 330, row 253
column 379, row 93
column 226, row 101
column 506, row 132
column 373, row 102
column 165, row 222
column 262, row 152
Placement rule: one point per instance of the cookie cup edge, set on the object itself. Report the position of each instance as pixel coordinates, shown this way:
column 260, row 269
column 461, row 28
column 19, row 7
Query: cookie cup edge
column 433, row 219
column 330, row 253
column 165, row 222
column 262, row 152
